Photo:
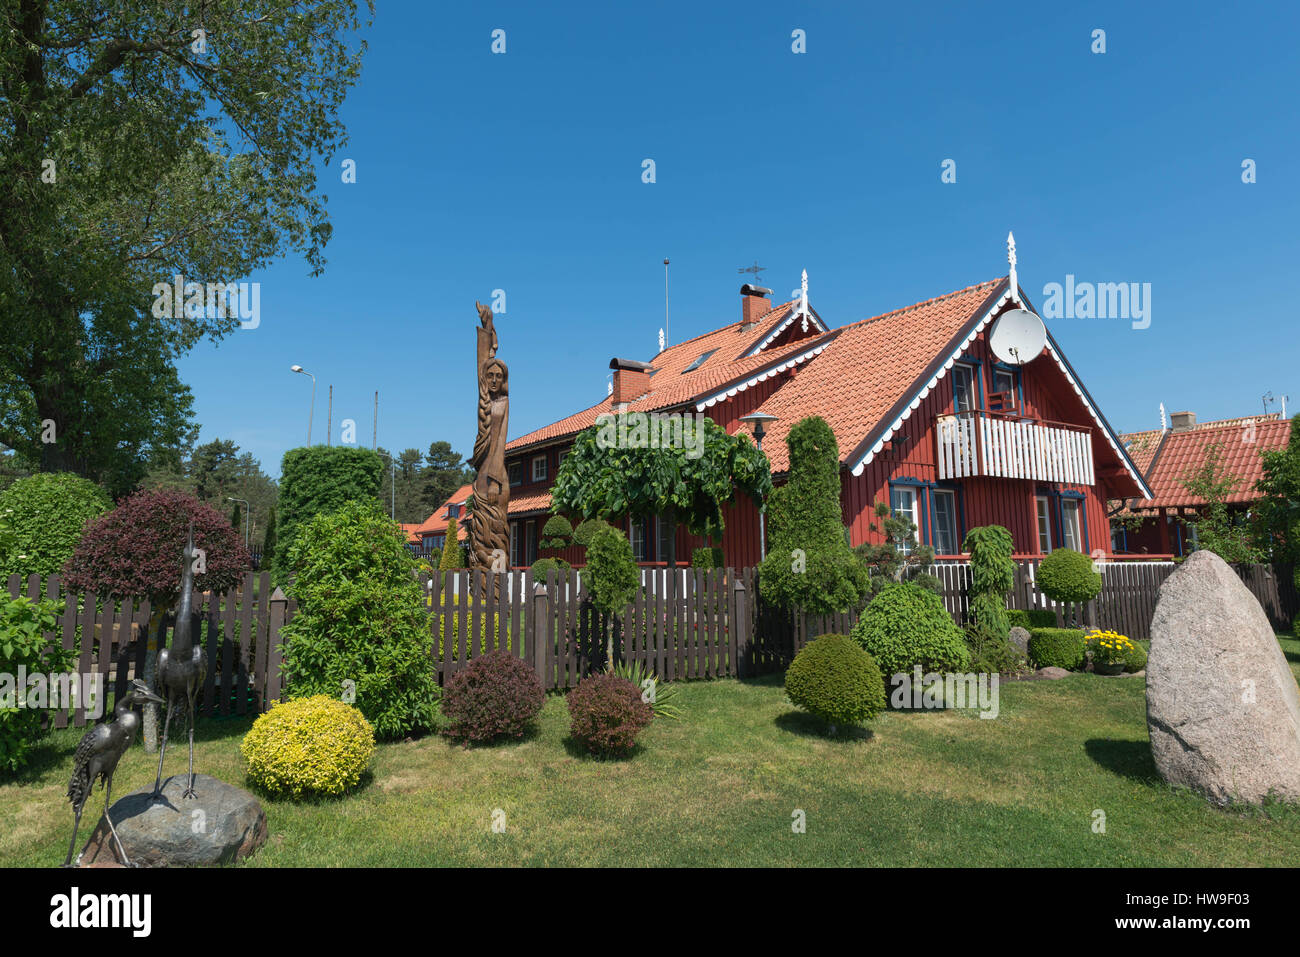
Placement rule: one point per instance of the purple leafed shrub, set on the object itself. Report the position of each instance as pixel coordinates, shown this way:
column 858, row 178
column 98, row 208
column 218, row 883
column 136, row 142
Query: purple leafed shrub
column 496, row 695
column 606, row 713
column 134, row 551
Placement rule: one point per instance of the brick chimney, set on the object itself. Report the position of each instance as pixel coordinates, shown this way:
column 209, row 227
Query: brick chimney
column 754, row 303
column 631, row 381
column 1182, row 421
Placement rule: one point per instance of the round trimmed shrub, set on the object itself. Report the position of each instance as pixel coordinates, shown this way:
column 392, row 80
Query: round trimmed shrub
column 835, row 680
column 1136, row 659
column 606, row 713
column 540, row 567
column 46, row 514
column 494, row 696
column 587, row 529
column 1057, row 648
column 1067, row 575
column 557, row 532
column 311, row 746
column 906, row 625
column 1028, row 618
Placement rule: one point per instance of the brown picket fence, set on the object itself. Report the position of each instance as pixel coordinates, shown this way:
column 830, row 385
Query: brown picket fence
column 240, row 632
column 687, row 623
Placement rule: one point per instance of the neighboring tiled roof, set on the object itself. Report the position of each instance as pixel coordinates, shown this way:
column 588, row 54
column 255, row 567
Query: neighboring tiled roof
column 412, row 536
column 899, row 345
column 530, row 502
column 1142, row 447
column 436, row 524
column 1240, row 442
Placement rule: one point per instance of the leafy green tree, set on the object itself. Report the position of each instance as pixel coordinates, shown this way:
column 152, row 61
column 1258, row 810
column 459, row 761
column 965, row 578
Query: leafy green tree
column 444, row 471
column 316, row 480
column 611, row 578
column 216, row 471
column 688, row 481
column 133, row 150
column 46, row 514
column 1275, row 526
column 809, row 564
column 1219, row 529
column 361, row 624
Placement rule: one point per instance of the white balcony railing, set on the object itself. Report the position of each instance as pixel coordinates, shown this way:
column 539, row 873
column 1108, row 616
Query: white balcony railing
column 977, row 443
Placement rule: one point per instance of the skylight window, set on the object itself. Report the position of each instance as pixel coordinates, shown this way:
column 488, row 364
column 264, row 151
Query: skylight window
column 699, row 361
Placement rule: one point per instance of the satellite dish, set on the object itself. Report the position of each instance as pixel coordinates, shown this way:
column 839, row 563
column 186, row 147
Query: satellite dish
column 1018, row 337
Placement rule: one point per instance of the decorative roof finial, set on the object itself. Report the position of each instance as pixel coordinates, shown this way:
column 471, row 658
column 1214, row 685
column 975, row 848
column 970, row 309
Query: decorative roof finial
column 803, row 299
column 1011, row 260
column 1162, row 416
column 661, row 340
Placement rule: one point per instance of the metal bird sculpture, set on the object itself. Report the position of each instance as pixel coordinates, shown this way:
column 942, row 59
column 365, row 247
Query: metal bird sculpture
column 181, row 668
column 97, row 755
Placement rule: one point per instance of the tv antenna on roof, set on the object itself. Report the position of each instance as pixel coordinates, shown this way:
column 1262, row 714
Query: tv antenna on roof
column 755, row 269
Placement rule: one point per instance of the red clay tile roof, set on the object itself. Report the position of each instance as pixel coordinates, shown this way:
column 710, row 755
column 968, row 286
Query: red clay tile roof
column 1240, row 442
column 899, row 345
column 1142, row 447
column 530, row 502
column 436, row 524
column 671, row 386
column 412, row 537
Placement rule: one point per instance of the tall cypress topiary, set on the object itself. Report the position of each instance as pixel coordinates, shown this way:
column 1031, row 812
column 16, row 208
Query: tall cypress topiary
column 993, row 574
column 809, row 563
column 320, row 479
column 451, row 552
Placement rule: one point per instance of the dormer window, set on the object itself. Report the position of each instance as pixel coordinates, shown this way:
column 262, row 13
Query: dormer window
column 699, row 361
column 453, row 511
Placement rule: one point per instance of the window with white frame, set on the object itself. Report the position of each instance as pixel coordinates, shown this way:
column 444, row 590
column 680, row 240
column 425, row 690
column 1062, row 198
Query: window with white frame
column 664, row 532
column 1043, row 511
column 636, row 532
column 963, row 388
column 1071, row 527
column 902, row 502
column 944, row 535
column 539, row 468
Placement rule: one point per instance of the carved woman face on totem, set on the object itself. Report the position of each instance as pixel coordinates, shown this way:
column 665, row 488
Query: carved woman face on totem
column 494, row 374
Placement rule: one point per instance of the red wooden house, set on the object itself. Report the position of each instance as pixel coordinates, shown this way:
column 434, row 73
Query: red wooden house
column 1167, row 457
column 926, row 419
column 432, row 532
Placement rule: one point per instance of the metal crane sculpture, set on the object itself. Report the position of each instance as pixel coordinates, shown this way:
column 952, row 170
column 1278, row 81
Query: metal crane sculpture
column 97, row 755
column 181, row 668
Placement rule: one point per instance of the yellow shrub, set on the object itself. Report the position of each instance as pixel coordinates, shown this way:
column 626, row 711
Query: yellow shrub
column 316, row 745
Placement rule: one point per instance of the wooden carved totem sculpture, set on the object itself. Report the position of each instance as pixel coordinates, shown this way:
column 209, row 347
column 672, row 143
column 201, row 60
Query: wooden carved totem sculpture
column 489, row 534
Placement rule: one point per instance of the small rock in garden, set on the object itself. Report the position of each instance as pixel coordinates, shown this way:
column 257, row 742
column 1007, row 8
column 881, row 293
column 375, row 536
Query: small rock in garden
column 1019, row 638
column 1052, row 673
column 1223, row 709
column 221, row 825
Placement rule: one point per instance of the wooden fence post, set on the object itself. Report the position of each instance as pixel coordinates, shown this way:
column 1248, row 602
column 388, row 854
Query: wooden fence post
column 740, row 625
column 275, row 656
column 540, row 623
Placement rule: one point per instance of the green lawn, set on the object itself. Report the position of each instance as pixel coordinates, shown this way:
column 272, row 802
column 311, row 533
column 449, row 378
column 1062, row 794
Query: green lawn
column 719, row 788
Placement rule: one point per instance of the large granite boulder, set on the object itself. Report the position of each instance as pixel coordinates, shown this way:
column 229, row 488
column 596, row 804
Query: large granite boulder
column 221, row 825
column 1223, row 710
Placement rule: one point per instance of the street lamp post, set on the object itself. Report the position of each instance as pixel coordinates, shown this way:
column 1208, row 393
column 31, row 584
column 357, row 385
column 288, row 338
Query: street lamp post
column 757, row 421
column 312, row 414
column 247, row 508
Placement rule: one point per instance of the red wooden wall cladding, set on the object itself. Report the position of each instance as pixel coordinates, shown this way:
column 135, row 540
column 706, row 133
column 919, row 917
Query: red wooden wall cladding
column 689, row 623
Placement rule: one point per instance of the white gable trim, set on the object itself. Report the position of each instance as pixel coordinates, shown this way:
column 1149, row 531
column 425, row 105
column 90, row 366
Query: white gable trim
column 794, row 314
column 857, row 467
column 731, row 391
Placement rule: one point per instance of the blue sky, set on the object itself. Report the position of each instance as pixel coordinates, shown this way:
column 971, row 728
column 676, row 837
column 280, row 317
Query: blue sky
column 523, row 172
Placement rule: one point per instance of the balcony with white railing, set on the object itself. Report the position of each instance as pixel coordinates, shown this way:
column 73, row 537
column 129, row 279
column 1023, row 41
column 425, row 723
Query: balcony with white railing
column 1008, row 446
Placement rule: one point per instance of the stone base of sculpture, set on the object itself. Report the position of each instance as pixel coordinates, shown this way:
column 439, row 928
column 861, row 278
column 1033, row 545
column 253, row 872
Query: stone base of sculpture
column 223, row 824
